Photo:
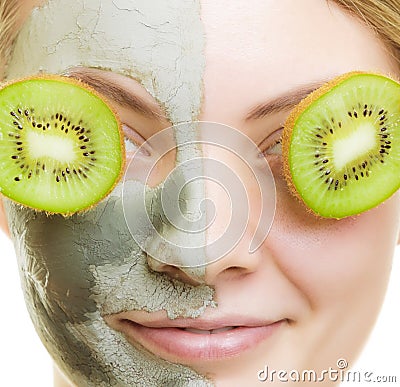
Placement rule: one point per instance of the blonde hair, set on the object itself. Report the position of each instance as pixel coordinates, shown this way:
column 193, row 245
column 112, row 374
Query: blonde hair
column 383, row 16
column 9, row 26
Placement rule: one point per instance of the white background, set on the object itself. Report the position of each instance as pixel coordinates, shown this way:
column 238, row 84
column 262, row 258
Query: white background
column 24, row 361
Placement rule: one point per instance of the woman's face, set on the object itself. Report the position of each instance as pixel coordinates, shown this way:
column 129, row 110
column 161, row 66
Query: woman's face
column 305, row 298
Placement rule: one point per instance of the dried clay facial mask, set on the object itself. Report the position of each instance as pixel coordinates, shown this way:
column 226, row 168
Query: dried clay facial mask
column 76, row 269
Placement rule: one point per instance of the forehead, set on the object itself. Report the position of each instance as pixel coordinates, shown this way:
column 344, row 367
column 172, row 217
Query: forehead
column 182, row 49
column 158, row 43
column 273, row 45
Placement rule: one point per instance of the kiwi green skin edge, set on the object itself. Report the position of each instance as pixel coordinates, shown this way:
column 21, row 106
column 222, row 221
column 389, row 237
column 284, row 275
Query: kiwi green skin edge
column 78, row 83
column 290, row 123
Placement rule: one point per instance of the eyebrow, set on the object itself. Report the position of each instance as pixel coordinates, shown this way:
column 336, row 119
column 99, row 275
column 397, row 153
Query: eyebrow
column 118, row 94
column 283, row 102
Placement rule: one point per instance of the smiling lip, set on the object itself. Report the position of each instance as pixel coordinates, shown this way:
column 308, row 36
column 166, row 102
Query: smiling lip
column 193, row 340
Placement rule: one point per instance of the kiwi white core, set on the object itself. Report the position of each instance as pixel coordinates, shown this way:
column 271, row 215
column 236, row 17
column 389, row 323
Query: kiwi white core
column 358, row 142
column 161, row 45
column 44, row 145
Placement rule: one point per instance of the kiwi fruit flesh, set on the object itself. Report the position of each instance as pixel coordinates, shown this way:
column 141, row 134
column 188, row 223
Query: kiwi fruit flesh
column 61, row 145
column 341, row 145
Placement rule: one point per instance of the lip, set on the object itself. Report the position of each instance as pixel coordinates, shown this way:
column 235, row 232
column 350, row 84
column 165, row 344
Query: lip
column 169, row 339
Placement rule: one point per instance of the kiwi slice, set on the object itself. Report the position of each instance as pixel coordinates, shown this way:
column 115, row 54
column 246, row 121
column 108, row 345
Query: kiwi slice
column 341, row 145
column 61, row 145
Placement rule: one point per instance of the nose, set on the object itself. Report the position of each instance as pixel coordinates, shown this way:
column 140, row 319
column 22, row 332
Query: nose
column 235, row 264
column 234, row 201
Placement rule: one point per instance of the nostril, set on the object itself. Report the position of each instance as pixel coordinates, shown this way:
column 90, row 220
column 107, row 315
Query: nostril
column 235, row 272
column 172, row 271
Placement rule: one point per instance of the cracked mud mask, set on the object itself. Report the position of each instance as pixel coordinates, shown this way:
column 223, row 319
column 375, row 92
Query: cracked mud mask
column 83, row 271
column 79, row 273
column 77, row 269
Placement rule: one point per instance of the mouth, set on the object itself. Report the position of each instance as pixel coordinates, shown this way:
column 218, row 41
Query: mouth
column 189, row 340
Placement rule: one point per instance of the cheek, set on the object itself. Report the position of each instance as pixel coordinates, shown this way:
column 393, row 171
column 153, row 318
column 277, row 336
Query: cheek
column 334, row 260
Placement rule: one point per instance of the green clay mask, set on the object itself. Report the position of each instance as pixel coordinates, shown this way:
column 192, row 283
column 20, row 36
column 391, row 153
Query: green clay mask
column 73, row 271
column 79, row 269
column 69, row 266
